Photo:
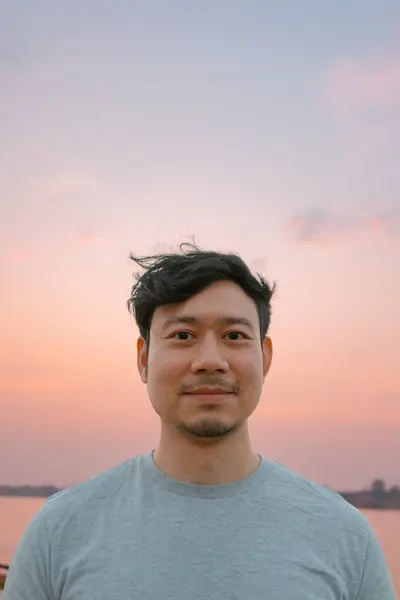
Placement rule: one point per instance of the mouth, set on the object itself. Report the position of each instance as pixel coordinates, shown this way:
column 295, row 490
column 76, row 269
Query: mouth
column 209, row 396
column 209, row 391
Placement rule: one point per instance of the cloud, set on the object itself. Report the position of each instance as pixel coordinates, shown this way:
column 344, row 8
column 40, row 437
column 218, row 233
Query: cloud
column 74, row 203
column 64, row 184
column 28, row 252
column 87, row 237
column 364, row 96
column 258, row 264
column 22, row 254
column 319, row 226
column 352, row 85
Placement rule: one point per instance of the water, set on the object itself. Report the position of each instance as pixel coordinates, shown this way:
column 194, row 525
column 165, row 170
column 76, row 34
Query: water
column 15, row 514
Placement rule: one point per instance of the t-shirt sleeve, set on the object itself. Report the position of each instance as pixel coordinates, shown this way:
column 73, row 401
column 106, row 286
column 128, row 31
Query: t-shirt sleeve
column 376, row 582
column 28, row 576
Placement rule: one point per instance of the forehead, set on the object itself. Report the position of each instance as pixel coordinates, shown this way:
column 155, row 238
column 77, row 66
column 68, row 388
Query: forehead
column 218, row 301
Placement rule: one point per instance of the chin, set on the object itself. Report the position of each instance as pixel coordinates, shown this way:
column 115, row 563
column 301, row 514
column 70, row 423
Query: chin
column 207, row 429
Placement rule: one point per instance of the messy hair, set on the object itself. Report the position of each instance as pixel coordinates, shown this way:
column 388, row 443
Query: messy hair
column 173, row 278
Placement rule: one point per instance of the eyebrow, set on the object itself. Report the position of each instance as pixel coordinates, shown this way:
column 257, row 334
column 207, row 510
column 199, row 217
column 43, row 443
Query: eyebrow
column 187, row 320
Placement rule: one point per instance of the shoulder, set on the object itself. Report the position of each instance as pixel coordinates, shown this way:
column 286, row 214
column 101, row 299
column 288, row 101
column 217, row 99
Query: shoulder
column 316, row 503
column 88, row 496
column 342, row 537
column 64, row 517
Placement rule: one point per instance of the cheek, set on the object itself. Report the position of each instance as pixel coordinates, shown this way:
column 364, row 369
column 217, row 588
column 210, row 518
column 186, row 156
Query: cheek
column 250, row 367
column 165, row 368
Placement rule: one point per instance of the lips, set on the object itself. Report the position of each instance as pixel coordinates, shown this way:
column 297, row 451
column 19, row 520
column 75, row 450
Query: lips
column 210, row 391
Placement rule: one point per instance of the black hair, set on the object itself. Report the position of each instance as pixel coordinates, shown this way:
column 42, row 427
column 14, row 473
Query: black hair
column 173, row 278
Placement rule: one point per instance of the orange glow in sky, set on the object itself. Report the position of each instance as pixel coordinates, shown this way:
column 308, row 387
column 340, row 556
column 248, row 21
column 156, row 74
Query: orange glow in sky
column 118, row 137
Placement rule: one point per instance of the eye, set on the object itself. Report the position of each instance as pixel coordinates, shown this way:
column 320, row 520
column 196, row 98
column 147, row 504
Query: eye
column 235, row 336
column 183, row 336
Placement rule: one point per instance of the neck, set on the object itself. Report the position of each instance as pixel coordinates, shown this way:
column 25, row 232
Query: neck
column 211, row 463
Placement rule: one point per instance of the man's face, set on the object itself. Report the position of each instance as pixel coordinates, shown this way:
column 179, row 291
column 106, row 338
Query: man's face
column 206, row 365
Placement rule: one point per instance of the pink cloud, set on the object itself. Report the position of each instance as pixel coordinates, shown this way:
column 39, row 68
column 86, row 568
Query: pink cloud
column 258, row 264
column 22, row 254
column 352, row 85
column 320, row 227
column 86, row 237
column 364, row 95
column 66, row 183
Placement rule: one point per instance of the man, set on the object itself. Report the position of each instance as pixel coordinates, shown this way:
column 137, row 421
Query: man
column 203, row 516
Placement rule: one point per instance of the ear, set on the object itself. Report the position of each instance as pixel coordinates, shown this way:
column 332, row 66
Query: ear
column 267, row 355
column 142, row 359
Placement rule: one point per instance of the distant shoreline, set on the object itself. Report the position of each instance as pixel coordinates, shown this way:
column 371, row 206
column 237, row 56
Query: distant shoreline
column 378, row 497
column 29, row 491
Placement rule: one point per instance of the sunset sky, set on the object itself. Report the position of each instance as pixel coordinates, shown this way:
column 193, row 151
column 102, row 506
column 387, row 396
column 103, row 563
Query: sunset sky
column 265, row 128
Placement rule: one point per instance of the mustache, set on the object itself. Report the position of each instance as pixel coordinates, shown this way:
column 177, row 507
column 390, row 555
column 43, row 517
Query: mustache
column 212, row 381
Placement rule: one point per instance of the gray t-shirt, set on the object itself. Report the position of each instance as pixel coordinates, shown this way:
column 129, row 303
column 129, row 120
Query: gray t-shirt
column 134, row 533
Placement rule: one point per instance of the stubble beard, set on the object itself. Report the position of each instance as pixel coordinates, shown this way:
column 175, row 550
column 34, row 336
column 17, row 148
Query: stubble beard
column 207, row 429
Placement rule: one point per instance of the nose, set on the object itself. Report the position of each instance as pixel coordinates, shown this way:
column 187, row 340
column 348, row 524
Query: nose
column 209, row 357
